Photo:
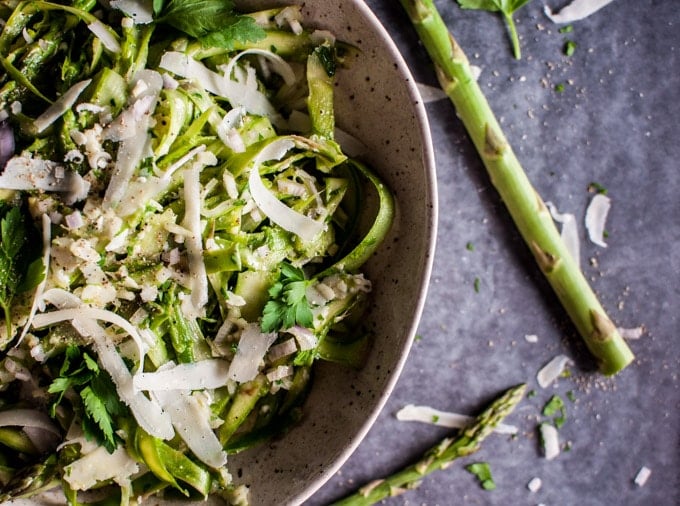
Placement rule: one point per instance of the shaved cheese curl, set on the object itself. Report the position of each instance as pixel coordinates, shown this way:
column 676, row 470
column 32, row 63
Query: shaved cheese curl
column 108, row 40
column 210, row 373
column 91, row 313
column 148, row 414
column 28, row 418
column 596, row 218
column 190, row 418
column 60, row 106
column 426, row 414
column 273, row 208
column 575, row 11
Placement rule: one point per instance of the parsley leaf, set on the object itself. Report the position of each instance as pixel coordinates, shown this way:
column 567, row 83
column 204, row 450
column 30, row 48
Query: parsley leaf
column 288, row 305
column 213, row 22
column 507, row 8
column 100, row 402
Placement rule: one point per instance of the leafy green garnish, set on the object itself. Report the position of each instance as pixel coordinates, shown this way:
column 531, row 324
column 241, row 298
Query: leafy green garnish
column 554, row 406
column 288, row 305
column 597, row 188
column 483, row 473
column 507, row 8
column 17, row 273
column 213, row 22
column 80, row 372
column 569, row 47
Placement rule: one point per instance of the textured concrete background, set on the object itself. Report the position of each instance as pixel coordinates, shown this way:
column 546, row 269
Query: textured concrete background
column 615, row 123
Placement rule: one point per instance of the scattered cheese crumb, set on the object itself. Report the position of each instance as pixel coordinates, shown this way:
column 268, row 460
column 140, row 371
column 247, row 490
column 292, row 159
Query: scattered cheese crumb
column 534, row 484
column 642, row 476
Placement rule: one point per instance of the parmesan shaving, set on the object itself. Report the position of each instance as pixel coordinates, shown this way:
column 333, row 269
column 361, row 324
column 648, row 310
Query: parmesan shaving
column 91, row 313
column 552, row 370
column 60, row 106
column 148, row 414
column 132, row 129
column 210, row 373
column 190, row 418
column 634, row 333
column 273, row 208
column 596, row 217
column 141, row 11
column 551, row 441
column 569, row 231
column 575, row 11
column 642, row 476
column 239, row 94
column 99, row 466
column 250, row 353
column 108, row 40
column 27, row 418
column 426, row 414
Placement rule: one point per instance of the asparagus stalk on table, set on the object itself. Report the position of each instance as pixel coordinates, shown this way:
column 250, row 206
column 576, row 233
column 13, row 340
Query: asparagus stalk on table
column 441, row 455
column 526, row 207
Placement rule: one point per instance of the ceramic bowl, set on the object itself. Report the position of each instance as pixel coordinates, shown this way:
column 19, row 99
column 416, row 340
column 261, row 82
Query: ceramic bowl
column 378, row 103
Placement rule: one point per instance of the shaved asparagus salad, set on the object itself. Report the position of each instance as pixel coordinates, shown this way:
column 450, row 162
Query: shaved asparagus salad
column 181, row 237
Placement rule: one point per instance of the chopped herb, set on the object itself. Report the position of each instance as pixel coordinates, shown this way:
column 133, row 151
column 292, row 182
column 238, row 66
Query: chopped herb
column 476, row 284
column 571, row 396
column 569, row 47
column 470, row 247
column 482, row 472
column 418, row 337
column 531, row 393
column 566, row 29
column 554, row 406
column 597, row 188
column 559, row 88
column 435, row 418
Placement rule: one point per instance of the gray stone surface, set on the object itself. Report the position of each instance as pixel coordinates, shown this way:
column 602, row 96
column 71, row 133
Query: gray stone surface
column 615, row 123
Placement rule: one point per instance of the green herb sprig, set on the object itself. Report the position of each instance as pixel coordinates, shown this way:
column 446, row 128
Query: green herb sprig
column 507, row 8
column 288, row 305
column 80, row 372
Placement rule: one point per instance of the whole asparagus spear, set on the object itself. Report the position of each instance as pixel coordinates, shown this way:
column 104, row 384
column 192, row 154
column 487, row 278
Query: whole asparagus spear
column 522, row 201
column 441, row 455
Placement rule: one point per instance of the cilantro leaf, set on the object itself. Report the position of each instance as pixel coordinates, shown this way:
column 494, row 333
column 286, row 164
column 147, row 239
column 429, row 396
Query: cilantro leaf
column 288, row 305
column 213, row 22
column 507, row 8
